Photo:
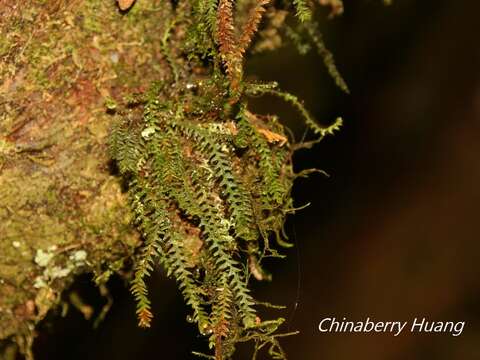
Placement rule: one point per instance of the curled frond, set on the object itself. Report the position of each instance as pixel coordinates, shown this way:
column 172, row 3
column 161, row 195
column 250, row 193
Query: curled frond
column 293, row 100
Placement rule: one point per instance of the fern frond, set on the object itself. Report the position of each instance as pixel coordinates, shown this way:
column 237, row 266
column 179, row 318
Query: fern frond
column 270, row 169
column 176, row 263
column 216, row 231
column 225, row 37
column 293, row 100
column 125, row 148
column 251, row 26
column 222, row 316
column 202, row 28
column 225, row 27
column 210, row 14
column 327, row 56
column 154, row 228
column 237, row 197
column 303, row 11
column 303, row 47
column 166, row 49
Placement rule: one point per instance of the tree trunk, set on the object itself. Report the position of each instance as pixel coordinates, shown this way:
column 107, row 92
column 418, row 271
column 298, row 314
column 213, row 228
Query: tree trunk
column 61, row 211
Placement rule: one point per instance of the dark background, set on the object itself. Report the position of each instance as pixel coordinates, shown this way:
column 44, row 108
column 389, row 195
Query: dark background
column 391, row 235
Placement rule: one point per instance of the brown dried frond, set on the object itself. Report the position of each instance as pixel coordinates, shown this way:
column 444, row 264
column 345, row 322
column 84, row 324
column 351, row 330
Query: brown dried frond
column 225, row 28
column 255, row 269
column 232, row 47
column 273, row 137
column 220, row 332
column 144, row 318
column 226, row 39
column 251, row 26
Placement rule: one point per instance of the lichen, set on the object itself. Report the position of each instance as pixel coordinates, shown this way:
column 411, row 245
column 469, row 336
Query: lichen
column 42, row 258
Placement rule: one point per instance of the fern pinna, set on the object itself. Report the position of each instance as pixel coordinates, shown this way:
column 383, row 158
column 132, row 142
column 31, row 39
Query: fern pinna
column 209, row 180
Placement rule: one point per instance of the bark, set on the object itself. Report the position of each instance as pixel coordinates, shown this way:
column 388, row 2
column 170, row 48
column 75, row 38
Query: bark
column 62, row 212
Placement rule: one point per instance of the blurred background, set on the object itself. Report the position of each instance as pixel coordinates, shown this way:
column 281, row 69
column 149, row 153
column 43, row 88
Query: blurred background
column 392, row 234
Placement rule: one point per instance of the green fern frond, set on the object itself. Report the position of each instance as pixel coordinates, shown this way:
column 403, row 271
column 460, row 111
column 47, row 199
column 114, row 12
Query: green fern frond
column 327, row 56
column 124, row 148
column 152, row 220
column 259, row 89
column 217, row 237
column 176, row 264
column 303, row 11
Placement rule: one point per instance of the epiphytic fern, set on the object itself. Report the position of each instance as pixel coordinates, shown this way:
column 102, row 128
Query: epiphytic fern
column 209, row 181
column 201, row 205
column 271, row 89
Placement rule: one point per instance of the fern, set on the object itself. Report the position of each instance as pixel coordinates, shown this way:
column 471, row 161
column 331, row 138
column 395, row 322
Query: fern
column 307, row 33
column 303, row 47
column 232, row 47
column 209, row 181
column 223, row 313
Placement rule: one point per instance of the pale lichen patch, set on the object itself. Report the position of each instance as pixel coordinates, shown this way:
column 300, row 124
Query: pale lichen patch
column 42, row 258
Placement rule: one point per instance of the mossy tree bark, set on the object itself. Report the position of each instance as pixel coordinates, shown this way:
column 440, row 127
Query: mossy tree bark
column 61, row 211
